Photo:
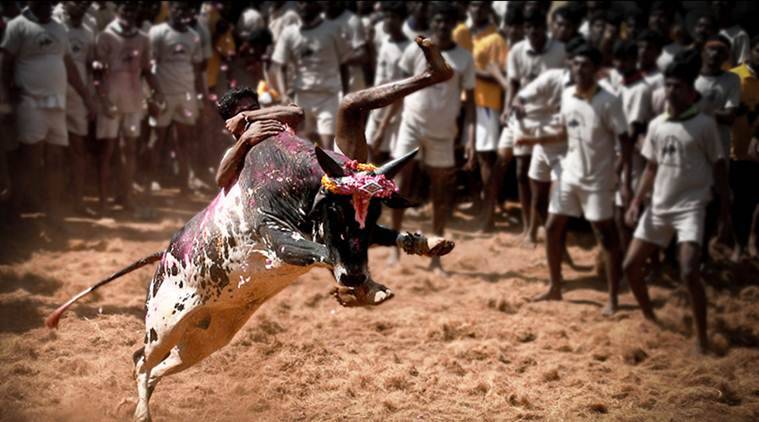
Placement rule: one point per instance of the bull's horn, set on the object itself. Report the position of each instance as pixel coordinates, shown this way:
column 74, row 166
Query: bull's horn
column 389, row 170
column 328, row 164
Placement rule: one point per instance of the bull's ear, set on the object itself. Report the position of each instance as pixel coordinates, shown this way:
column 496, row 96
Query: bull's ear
column 396, row 201
column 331, row 167
column 390, row 169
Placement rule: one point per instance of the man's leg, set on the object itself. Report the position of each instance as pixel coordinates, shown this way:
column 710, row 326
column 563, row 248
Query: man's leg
column 538, row 207
column 606, row 233
column 555, row 226
column 104, row 171
column 128, row 166
column 689, row 257
column 753, row 238
column 523, row 188
column 637, row 254
column 54, row 175
column 405, row 184
column 354, row 109
column 30, row 171
column 78, row 157
column 624, row 232
column 440, row 178
column 489, row 173
column 184, row 137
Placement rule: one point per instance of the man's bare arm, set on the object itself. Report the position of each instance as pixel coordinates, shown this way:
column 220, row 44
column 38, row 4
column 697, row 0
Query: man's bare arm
column 234, row 158
column 72, row 74
column 7, row 73
column 292, row 115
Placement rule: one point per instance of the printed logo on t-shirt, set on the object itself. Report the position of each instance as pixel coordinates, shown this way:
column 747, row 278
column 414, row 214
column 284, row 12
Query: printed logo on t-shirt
column 44, row 41
column 668, row 154
column 76, row 46
column 179, row 49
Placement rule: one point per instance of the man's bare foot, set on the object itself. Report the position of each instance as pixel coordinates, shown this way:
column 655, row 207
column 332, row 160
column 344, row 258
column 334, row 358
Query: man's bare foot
column 437, row 67
column 528, row 241
column 437, row 268
column 609, row 310
column 551, row 294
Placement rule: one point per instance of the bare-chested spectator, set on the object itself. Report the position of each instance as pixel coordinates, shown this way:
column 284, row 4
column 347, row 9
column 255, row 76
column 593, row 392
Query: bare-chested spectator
column 36, row 67
column 316, row 51
column 176, row 51
column 382, row 127
column 684, row 160
column 123, row 54
column 429, row 118
column 82, row 42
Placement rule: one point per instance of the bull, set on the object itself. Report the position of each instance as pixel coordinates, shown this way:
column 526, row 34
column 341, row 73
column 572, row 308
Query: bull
column 292, row 207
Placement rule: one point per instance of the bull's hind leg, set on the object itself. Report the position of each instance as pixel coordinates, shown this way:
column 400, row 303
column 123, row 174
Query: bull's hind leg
column 355, row 107
column 210, row 330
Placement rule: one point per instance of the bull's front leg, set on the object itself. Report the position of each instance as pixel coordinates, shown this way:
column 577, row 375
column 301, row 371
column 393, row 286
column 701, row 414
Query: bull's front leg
column 292, row 248
column 412, row 243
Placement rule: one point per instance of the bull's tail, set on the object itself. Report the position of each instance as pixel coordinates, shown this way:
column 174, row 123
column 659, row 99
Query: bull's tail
column 52, row 320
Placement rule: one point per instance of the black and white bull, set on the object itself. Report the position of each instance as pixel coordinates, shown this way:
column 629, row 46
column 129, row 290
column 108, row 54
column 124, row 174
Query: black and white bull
column 292, row 208
column 273, row 225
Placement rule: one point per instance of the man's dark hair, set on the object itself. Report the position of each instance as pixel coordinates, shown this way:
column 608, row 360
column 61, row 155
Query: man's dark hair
column 568, row 13
column 448, row 9
column 613, row 17
column 514, row 16
column 625, row 49
column 686, row 65
column 397, row 8
column 535, row 16
column 592, row 53
column 597, row 15
column 572, row 45
column 227, row 104
column 720, row 39
column 260, row 36
column 651, row 37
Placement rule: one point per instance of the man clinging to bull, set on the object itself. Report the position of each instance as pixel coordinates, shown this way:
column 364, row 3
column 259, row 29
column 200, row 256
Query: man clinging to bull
column 285, row 207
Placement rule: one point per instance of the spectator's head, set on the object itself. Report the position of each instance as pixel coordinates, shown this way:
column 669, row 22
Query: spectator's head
column 715, row 53
column 442, row 16
column 661, row 17
column 513, row 25
column 181, row 13
column 147, row 10
column 480, row 11
column 255, row 44
column 42, row 10
column 332, row 8
column 679, row 78
column 393, row 14
column 635, row 21
column 585, row 64
column 612, row 24
column 75, row 11
column 308, row 10
column 565, row 23
column 597, row 26
column 570, row 47
column 535, row 27
column 237, row 100
column 625, row 57
column 649, row 49
column 126, row 13
column 418, row 11
column 753, row 58
column 705, row 26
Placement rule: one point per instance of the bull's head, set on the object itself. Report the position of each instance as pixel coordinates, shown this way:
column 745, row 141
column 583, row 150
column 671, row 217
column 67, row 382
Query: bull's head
column 346, row 209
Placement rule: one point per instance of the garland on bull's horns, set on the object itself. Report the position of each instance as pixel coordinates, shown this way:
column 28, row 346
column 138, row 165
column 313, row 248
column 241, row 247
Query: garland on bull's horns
column 363, row 185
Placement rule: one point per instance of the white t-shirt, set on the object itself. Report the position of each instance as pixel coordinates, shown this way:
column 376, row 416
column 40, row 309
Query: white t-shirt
column 250, row 19
column 175, row 54
column 654, row 79
column 685, row 151
column 38, row 50
column 315, row 54
column 636, row 102
column 542, row 99
column 525, row 64
column 718, row 93
column 280, row 20
column 411, row 33
column 740, row 42
column 592, row 130
column 125, row 58
column 433, row 110
column 387, row 69
column 352, row 30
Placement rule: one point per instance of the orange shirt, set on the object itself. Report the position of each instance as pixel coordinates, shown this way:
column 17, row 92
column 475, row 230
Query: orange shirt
column 486, row 46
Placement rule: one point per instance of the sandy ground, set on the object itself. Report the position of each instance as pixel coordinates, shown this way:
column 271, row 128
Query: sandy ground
column 463, row 348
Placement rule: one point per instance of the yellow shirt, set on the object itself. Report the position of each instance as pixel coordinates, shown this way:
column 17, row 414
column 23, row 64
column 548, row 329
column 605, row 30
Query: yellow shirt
column 487, row 46
column 749, row 99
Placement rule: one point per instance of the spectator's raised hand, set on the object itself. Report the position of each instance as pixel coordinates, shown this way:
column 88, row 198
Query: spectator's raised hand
column 261, row 130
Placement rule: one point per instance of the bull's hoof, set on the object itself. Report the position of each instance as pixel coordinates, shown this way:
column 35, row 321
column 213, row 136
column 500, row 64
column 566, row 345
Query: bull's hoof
column 439, row 246
column 367, row 294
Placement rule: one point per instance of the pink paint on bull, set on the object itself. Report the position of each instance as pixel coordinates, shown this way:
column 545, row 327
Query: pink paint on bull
column 362, row 186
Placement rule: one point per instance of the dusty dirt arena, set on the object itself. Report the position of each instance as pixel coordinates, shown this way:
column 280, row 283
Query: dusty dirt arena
column 465, row 348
